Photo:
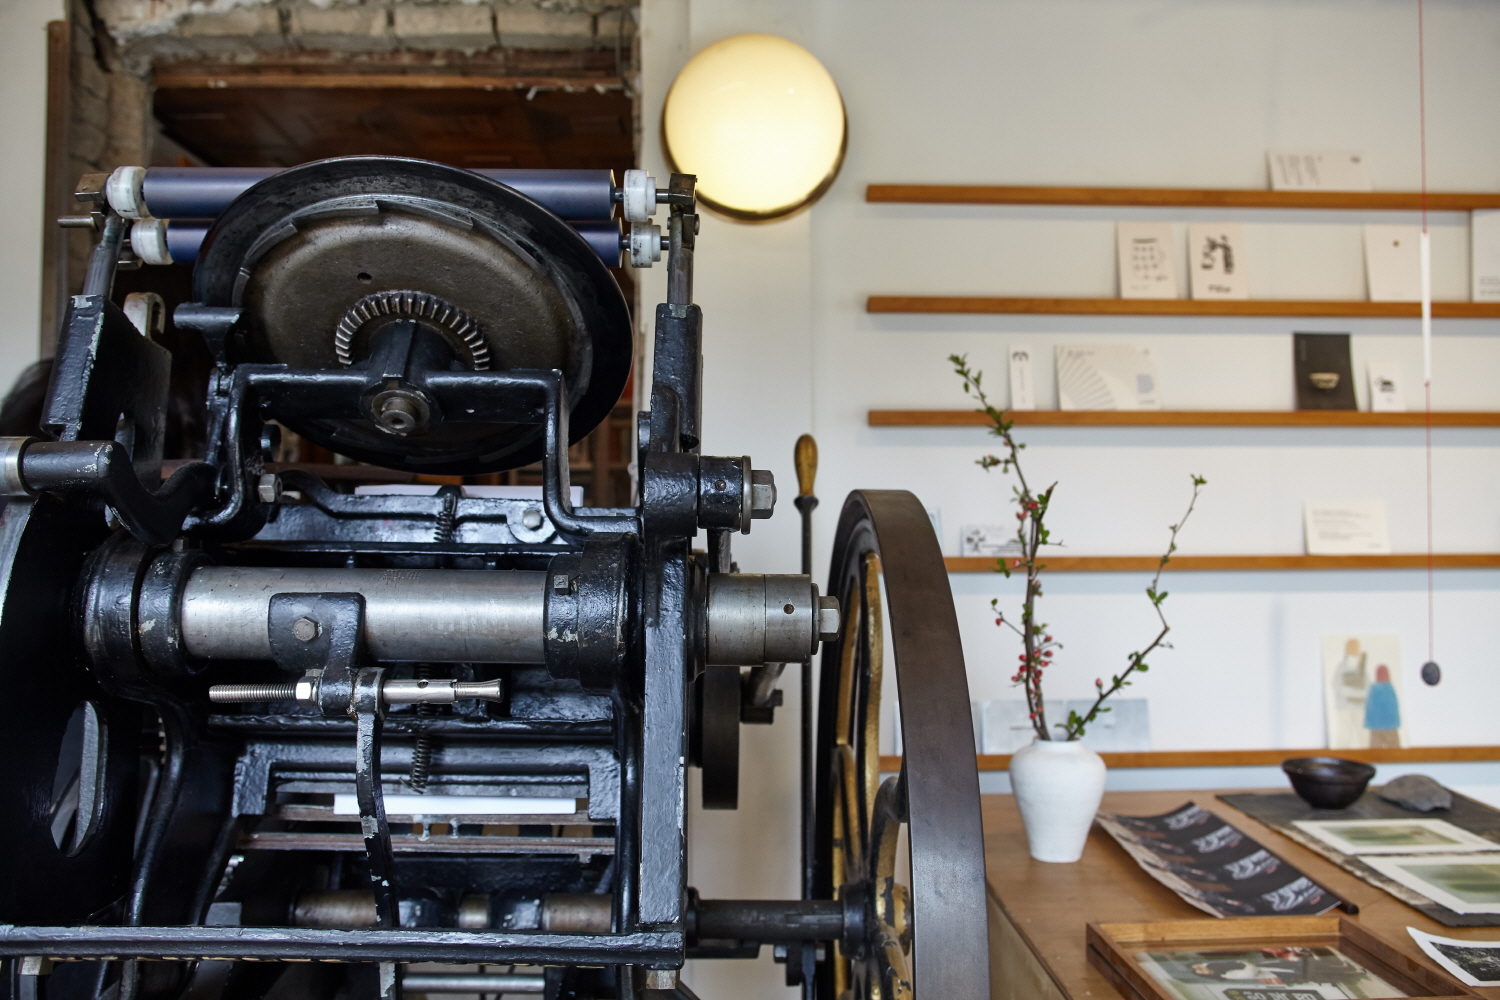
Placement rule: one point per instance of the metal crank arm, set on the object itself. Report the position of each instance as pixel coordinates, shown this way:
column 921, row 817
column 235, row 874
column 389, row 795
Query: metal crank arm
column 322, row 636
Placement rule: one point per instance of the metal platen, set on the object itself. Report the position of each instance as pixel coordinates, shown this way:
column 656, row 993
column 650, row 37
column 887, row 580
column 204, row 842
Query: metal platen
column 267, row 738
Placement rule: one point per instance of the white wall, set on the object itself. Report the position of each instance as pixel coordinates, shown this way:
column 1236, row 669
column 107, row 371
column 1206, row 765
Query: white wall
column 23, row 153
column 1124, row 92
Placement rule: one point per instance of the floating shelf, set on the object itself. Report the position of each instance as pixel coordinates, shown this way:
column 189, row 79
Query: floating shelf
column 1351, row 309
column 1181, row 418
column 1248, row 758
column 989, row 194
column 1133, row 564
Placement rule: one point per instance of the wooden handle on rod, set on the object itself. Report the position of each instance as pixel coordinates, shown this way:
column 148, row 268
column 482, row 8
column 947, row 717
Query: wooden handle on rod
column 807, row 464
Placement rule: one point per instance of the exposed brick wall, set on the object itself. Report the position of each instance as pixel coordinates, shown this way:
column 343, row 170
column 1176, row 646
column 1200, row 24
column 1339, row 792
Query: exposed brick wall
column 116, row 44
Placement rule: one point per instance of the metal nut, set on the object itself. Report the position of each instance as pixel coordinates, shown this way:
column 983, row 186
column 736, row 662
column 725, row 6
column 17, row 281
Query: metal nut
column 269, row 488
column 305, row 629
column 828, row 619
column 531, row 519
column 762, row 494
column 306, row 689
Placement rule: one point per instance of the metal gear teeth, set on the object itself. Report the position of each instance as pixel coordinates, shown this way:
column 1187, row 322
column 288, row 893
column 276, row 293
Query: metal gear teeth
column 419, row 305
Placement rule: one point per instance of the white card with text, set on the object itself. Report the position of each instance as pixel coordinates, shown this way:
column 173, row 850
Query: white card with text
column 1022, row 383
column 1484, row 255
column 1216, row 260
column 1346, row 528
column 1147, row 264
column 988, row 540
column 1317, row 170
column 1385, row 387
column 1393, row 263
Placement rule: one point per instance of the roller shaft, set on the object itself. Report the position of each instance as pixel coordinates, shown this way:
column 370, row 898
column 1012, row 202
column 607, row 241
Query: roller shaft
column 464, row 616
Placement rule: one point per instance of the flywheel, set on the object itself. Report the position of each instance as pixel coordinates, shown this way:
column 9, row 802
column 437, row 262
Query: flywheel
column 925, row 932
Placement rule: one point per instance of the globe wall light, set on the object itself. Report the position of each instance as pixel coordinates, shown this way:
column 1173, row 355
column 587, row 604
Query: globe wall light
column 760, row 122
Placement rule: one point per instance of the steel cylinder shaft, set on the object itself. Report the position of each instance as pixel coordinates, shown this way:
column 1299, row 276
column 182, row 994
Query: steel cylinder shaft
column 440, row 615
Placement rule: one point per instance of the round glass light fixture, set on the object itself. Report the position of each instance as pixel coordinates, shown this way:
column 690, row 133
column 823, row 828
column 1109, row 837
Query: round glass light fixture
column 760, row 122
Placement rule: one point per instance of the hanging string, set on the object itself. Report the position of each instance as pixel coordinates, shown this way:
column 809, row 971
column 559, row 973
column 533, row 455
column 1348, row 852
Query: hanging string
column 1430, row 672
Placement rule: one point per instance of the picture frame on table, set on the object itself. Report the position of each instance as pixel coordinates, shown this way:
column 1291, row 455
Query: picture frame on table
column 1362, row 837
column 1260, row 958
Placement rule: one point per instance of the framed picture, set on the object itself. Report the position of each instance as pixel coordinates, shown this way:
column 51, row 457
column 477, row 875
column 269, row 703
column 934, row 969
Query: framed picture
column 1394, row 836
column 1260, row 958
column 1465, row 883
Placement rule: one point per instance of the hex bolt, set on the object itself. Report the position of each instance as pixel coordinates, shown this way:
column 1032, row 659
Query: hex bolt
column 531, row 519
column 762, row 494
column 828, row 619
column 269, row 488
column 305, row 629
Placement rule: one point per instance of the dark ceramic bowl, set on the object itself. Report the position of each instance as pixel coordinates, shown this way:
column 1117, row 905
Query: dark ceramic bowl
column 1328, row 782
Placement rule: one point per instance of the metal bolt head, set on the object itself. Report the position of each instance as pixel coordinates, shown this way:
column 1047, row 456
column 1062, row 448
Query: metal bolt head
column 661, row 979
column 305, row 629
column 269, row 488
column 828, row 619
column 762, row 494
column 531, row 519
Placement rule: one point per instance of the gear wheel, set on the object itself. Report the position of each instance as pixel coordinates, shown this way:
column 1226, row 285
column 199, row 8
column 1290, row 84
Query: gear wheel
column 448, row 318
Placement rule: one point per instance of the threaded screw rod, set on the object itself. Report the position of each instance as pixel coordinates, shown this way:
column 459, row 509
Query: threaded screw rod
column 222, row 694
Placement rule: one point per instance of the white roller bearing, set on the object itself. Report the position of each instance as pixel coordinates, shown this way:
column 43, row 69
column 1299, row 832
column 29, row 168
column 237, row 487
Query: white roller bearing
column 124, row 189
column 645, row 244
column 639, row 199
column 148, row 238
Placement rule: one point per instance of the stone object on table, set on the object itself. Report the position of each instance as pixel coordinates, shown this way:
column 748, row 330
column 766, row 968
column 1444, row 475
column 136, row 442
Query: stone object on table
column 1418, row 792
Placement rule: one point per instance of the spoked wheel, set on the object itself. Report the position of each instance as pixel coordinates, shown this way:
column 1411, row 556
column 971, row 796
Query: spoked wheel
column 925, row 932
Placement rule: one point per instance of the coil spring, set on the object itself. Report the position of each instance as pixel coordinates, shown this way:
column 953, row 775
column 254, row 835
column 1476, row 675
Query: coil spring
column 422, row 744
column 445, row 521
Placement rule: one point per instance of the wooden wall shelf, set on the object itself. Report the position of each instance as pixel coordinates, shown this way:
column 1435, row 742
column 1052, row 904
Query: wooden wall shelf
column 1250, row 758
column 1182, row 418
column 1351, row 309
column 989, row 194
column 1134, row 564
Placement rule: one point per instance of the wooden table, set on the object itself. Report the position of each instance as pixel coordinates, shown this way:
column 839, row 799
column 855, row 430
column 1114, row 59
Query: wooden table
column 1038, row 910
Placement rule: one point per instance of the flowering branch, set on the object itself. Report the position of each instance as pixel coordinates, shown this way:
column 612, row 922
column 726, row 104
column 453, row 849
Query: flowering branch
column 1038, row 646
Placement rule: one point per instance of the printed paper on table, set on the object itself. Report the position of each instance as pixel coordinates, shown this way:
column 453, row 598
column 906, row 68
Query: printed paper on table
column 1362, row 702
column 1147, row 264
column 1110, row 377
column 1475, row 963
column 1317, row 170
column 1216, row 261
column 1393, row 263
column 1346, row 528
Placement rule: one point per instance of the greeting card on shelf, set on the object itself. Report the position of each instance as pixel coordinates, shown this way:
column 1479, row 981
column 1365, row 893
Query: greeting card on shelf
column 1317, row 170
column 1393, row 263
column 993, row 540
column 1484, row 255
column 1146, row 260
column 1216, row 261
column 1346, row 528
column 1362, row 691
column 1113, row 377
column 1385, row 387
column 1022, row 384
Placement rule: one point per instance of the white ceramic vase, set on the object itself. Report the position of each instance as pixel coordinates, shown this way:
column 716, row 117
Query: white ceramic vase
column 1058, row 785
